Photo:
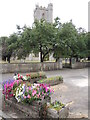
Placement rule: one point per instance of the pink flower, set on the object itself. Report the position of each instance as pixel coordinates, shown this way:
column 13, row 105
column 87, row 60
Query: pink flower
column 34, row 91
column 28, row 96
column 38, row 95
column 32, row 94
column 50, row 91
column 37, row 88
column 46, row 89
column 24, row 97
column 29, row 88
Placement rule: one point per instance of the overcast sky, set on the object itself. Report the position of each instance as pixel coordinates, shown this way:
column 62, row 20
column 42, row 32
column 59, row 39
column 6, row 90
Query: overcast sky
column 20, row 12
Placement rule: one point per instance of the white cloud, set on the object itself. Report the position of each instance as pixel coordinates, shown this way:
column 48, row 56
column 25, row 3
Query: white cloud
column 13, row 12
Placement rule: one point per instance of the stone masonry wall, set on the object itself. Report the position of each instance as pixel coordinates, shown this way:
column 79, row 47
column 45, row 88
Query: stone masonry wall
column 79, row 65
column 30, row 67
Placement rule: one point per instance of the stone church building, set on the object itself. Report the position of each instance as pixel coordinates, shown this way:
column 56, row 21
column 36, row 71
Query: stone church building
column 44, row 13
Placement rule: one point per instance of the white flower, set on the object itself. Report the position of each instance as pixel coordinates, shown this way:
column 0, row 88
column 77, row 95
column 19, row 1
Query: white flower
column 24, row 77
column 19, row 92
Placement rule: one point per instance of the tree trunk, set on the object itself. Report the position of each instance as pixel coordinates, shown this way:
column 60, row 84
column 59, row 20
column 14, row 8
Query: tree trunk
column 77, row 60
column 41, row 58
column 57, row 59
column 89, row 58
column 70, row 61
column 4, row 58
column 8, row 58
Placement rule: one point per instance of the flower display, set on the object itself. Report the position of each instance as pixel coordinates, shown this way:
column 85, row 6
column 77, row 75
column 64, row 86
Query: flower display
column 9, row 86
column 28, row 94
column 19, row 94
column 25, row 92
column 19, row 77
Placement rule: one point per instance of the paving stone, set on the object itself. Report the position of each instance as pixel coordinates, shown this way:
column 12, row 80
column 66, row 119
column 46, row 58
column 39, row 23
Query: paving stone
column 4, row 115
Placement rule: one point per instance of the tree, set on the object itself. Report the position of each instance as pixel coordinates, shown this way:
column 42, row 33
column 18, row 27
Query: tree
column 82, row 43
column 88, row 44
column 4, row 47
column 41, row 38
column 9, row 47
column 67, row 37
column 23, row 42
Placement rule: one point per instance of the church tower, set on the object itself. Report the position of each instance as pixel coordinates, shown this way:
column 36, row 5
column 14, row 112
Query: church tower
column 44, row 13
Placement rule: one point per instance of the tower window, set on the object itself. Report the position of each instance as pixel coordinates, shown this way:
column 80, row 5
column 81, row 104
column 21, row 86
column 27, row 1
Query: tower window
column 43, row 14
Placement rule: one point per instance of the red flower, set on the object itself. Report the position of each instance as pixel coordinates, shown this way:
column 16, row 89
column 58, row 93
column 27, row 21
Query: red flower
column 27, row 75
column 21, row 77
column 18, row 75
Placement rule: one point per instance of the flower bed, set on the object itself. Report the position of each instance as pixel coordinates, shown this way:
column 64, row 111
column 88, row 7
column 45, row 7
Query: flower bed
column 57, row 110
column 32, row 99
column 28, row 98
column 32, row 77
column 52, row 80
column 9, row 86
column 34, row 110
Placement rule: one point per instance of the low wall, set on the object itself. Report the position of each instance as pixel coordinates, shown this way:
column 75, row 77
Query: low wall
column 79, row 65
column 30, row 67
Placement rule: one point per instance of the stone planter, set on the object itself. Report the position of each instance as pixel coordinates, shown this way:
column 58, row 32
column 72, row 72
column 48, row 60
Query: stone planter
column 34, row 110
column 63, row 113
column 35, row 80
column 52, row 82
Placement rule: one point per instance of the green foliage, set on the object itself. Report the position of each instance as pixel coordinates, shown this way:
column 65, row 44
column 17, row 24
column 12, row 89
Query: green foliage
column 41, row 38
column 63, row 40
column 36, row 75
column 4, row 46
column 68, row 39
column 51, row 78
column 57, row 105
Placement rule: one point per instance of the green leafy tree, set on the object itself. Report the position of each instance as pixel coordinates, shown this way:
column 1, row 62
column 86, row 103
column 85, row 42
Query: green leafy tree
column 4, row 47
column 82, row 51
column 43, row 38
column 67, row 39
column 39, row 38
column 24, row 42
column 88, row 44
column 11, row 46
